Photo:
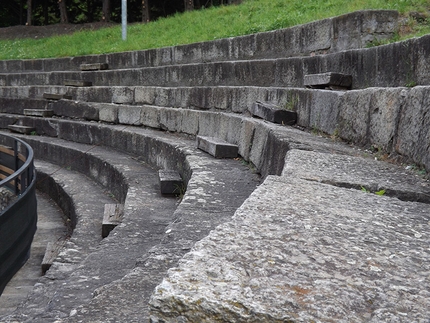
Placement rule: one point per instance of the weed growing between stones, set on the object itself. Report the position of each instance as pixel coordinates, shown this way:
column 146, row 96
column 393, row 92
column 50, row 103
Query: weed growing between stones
column 380, row 192
column 291, row 104
column 411, row 84
column 180, row 191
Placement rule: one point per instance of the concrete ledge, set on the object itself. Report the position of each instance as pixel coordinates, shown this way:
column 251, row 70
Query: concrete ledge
column 273, row 113
column 26, row 130
column 54, row 96
column 216, row 147
column 94, row 67
column 39, row 113
column 112, row 217
column 171, row 182
column 330, row 80
column 77, row 83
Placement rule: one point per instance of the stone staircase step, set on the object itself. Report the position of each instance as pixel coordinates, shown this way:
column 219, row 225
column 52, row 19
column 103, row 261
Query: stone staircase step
column 171, row 182
column 77, row 83
column 323, row 36
column 44, row 113
column 26, row 130
column 217, row 147
column 54, row 96
column 330, row 80
column 94, row 66
column 273, row 113
column 112, row 216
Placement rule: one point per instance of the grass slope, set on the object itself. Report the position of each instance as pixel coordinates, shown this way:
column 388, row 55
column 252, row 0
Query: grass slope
column 217, row 22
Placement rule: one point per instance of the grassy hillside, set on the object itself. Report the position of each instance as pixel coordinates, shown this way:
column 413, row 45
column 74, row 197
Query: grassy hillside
column 249, row 17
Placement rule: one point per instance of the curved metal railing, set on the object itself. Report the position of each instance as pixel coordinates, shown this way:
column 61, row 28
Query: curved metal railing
column 18, row 218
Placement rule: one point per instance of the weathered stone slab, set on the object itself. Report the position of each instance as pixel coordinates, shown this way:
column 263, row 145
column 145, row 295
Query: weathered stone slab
column 334, row 81
column 94, row 66
column 303, row 251
column 217, row 147
column 273, row 113
column 112, row 216
column 171, row 182
column 52, row 251
column 54, row 96
column 77, row 83
column 21, row 129
column 39, row 113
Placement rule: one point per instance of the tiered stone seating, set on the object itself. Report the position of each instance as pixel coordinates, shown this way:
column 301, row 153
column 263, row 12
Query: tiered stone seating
column 207, row 90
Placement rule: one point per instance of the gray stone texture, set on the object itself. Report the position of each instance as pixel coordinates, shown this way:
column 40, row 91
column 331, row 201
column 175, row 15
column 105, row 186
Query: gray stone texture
column 171, row 182
column 313, row 243
column 216, row 147
column 354, row 30
column 301, row 250
column 273, row 113
column 328, row 80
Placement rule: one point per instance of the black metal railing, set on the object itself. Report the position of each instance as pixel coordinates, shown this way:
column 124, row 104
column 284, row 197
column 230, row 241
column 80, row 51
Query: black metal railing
column 18, row 218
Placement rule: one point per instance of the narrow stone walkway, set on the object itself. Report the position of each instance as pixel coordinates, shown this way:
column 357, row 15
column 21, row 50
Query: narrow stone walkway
column 50, row 227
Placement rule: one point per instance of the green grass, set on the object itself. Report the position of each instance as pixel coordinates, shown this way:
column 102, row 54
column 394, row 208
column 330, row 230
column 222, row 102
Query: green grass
column 219, row 22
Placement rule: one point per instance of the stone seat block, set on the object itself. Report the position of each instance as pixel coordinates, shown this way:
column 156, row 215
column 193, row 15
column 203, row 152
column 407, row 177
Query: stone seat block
column 330, row 80
column 51, row 252
column 112, row 216
column 217, row 147
column 171, row 182
column 38, row 113
column 26, row 130
column 94, row 67
column 53, row 96
column 273, row 113
column 77, row 83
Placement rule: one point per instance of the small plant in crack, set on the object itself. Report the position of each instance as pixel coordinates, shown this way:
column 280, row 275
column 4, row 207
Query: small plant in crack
column 366, row 190
column 179, row 191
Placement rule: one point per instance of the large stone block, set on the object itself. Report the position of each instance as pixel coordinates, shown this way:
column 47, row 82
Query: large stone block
column 385, row 107
column 150, row 116
column 216, row 147
column 329, row 80
column 273, row 113
column 78, row 83
column 122, row 95
column 129, row 114
column 94, row 66
column 413, row 135
column 144, row 94
column 354, row 119
column 171, row 182
column 170, row 119
column 39, row 113
column 324, row 110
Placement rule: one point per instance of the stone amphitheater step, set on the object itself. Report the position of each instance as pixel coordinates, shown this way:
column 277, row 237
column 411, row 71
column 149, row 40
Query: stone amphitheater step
column 324, row 36
column 323, row 252
column 215, row 189
column 50, row 227
column 21, row 129
column 281, row 72
column 224, row 98
column 147, row 214
column 44, row 113
column 262, row 144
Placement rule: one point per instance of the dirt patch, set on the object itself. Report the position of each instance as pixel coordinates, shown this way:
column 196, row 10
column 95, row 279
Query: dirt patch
column 37, row 32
